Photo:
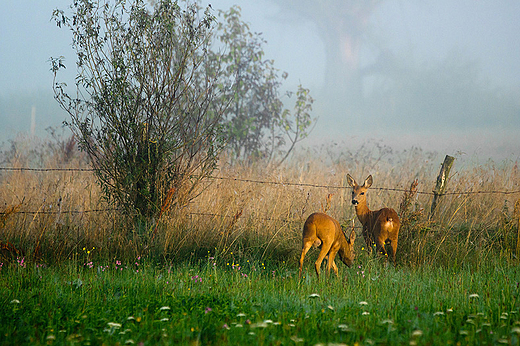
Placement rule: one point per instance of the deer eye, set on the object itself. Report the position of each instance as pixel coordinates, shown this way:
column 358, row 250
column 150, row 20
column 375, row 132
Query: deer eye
column 362, row 193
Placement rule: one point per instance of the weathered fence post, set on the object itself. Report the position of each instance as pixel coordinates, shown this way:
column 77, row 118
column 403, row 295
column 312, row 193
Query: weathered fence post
column 442, row 181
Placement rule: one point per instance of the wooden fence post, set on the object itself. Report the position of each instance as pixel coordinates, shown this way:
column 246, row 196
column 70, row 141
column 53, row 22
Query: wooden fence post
column 442, row 181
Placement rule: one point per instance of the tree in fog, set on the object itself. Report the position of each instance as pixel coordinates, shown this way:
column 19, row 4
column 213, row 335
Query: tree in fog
column 256, row 123
column 342, row 26
column 143, row 107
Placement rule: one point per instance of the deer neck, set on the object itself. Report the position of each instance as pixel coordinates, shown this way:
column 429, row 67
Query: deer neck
column 363, row 213
column 342, row 244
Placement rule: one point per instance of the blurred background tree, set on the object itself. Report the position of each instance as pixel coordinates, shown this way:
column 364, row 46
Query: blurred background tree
column 257, row 124
column 342, row 26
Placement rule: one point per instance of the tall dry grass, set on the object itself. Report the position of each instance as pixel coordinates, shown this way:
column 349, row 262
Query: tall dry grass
column 245, row 219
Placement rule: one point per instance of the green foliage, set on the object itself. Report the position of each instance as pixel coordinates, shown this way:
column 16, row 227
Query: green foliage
column 257, row 303
column 144, row 110
column 256, row 122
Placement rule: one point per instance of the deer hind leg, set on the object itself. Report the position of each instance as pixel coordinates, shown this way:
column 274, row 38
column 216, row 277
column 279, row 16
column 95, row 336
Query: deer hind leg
column 332, row 264
column 325, row 248
column 393, row 246
column 380, row 247
column 306, row 247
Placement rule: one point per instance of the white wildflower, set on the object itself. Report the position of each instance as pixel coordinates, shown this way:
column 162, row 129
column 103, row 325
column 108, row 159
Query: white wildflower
column 417, row 333
column 296, row 339
column 259, row 325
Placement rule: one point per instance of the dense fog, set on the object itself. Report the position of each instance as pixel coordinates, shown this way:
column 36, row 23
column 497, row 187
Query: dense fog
column 439, row 75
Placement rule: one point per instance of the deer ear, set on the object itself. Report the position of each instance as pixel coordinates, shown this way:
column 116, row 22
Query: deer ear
column 350, row 181
column 368, row 182
column 352, row 237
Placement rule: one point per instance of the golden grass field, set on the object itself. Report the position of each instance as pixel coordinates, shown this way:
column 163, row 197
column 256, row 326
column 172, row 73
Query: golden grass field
column 258, row 210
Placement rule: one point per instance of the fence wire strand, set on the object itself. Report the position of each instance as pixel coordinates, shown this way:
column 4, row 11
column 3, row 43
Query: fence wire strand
column 244, row 180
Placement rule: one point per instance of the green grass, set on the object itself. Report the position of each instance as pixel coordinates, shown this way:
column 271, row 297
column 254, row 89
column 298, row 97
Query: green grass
column 257, row 304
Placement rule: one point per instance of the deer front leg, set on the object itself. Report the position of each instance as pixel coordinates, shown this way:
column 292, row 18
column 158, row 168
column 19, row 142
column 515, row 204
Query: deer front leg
column 368, row 240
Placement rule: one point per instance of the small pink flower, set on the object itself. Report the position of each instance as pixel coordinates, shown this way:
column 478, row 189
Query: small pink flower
column 21, row 262
column 208, row 309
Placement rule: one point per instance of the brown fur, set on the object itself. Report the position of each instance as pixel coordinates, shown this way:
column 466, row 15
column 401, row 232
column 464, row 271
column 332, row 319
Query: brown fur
column 322, row 230
column 379, row 226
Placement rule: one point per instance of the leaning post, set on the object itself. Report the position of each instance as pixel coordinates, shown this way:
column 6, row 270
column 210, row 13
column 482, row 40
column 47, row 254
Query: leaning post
column 442, row 181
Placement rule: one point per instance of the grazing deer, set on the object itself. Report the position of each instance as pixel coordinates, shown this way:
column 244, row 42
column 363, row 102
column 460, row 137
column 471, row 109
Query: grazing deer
column 379, row 226
column 323, row 231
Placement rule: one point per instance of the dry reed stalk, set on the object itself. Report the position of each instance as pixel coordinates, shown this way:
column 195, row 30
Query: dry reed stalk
column 8, row 251
column 9, row 211
column 167, row 203
column 327, row 203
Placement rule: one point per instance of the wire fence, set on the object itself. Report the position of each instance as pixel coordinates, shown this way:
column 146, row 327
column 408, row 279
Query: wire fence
column 244, row 180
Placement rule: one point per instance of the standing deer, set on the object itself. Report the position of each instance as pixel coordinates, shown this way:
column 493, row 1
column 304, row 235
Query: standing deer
column 379, row 226
column 322, row 230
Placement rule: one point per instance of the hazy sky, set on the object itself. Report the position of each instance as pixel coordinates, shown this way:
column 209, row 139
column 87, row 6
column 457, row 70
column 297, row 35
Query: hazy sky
column 452, row 62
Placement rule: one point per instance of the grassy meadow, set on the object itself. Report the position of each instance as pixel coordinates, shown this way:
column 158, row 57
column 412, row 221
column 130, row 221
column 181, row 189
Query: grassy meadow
column 212, row 302
column 223, row 269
